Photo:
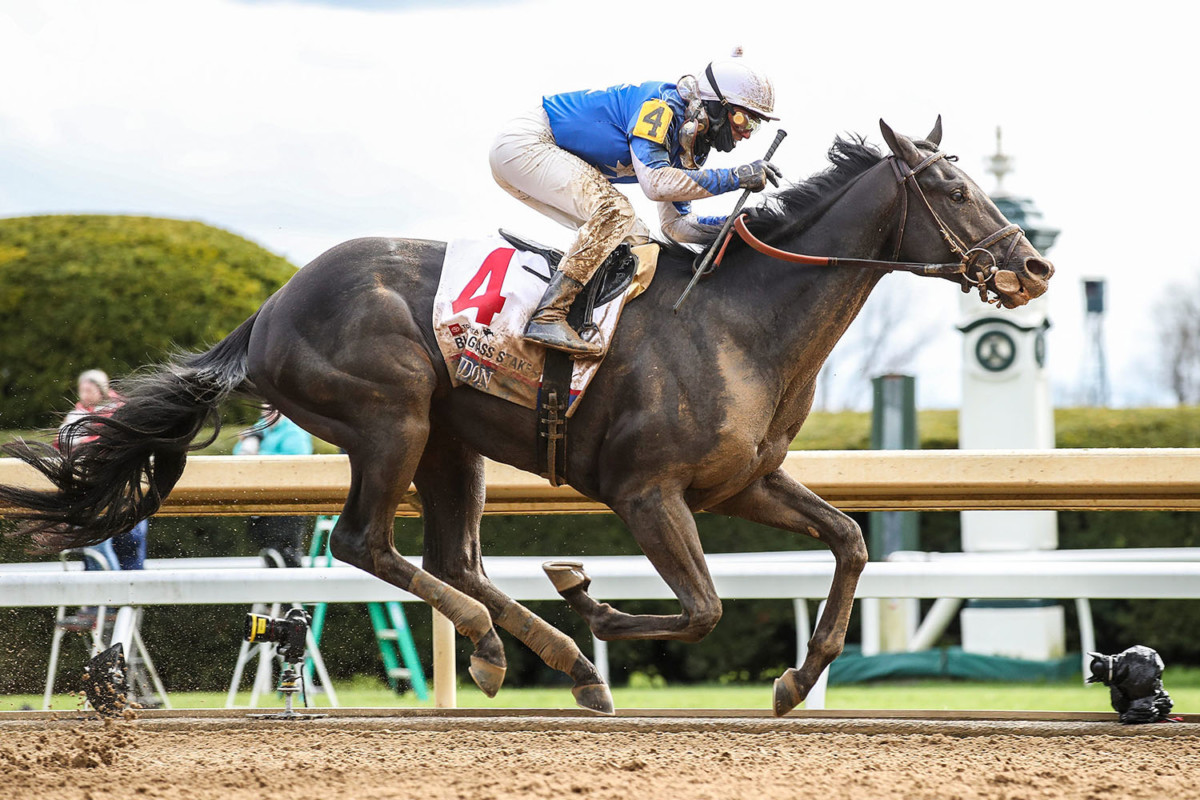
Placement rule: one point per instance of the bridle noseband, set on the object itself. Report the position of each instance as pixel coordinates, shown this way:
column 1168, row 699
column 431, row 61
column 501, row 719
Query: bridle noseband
column 906, row 177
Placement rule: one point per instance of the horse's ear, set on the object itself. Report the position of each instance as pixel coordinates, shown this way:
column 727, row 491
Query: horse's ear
column 889, row 136
column 935, row 135
column 901, row 147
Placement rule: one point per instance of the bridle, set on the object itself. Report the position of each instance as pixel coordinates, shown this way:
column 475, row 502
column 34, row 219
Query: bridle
column 981, row 278
column 908, row 177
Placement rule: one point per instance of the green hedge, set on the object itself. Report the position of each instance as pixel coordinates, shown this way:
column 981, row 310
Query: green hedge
column 1073, row 427
column 115, row 293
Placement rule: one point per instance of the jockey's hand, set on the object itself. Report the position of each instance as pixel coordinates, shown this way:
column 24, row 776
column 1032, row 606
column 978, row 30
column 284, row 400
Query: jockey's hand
column 755, row 176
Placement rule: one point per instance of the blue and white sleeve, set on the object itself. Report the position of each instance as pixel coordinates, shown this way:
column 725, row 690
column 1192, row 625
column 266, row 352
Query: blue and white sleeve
column 677, row 222
column 664, row 183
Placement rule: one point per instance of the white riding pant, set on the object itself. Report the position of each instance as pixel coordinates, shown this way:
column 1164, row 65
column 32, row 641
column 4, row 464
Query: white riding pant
column 529, row 165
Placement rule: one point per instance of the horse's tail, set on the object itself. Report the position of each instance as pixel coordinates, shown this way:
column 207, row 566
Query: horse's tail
column 110, row 472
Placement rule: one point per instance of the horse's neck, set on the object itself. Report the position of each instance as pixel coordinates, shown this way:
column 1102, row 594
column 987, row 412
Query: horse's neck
column 859, row 224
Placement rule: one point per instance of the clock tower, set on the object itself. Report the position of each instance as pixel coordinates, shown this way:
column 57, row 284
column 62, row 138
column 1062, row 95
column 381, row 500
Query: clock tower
column 1006, row 406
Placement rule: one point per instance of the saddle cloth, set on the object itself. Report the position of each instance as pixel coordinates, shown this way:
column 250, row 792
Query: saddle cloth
column 487, row 293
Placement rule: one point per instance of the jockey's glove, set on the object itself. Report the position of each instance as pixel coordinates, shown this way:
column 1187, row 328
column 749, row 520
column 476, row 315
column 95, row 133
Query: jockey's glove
column 755, row 176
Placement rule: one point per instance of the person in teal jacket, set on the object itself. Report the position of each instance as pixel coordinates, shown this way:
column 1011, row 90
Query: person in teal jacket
column 285, row 438
column 284, row 535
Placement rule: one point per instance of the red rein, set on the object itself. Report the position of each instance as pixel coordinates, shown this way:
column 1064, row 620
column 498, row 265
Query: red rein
column 749, row 238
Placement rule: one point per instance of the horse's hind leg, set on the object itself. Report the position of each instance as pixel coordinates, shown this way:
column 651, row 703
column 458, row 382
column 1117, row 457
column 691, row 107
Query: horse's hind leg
column 382, row 467
column 340, row 351
column 451, row 482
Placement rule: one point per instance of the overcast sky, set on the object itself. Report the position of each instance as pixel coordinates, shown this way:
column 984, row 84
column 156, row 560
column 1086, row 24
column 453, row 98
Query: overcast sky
column 302, row 124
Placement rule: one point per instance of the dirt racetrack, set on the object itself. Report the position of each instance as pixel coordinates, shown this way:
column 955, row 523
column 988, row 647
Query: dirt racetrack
column 432, row 757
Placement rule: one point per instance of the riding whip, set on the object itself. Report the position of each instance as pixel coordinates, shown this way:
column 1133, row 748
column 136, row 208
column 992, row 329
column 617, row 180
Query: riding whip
column 712, row 249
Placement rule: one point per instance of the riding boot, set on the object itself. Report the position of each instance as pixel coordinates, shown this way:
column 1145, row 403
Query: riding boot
column 548, row 325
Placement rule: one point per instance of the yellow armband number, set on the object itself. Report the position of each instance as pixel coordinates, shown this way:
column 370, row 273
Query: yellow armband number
column 653, row 121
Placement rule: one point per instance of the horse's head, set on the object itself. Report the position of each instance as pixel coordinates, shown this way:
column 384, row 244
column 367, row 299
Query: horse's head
column 948, row 210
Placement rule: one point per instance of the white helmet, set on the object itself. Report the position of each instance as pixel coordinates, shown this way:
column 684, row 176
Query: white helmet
column 732, row 81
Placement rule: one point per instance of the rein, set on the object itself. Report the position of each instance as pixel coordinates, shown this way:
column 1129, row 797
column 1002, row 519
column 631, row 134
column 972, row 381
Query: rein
column 907, row 178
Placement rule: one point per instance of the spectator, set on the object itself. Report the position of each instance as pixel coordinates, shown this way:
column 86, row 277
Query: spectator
column 283, row 534
column 125, row 550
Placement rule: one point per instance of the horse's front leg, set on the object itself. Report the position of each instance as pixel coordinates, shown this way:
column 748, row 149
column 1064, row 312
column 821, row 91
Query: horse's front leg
column 664, row 527
column 778, row 500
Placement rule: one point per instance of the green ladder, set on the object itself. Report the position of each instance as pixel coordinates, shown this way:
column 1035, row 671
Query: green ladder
column 392, row 633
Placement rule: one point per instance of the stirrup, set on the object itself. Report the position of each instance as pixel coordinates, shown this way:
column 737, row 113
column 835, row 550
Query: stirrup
column 561, row 336
column 556, row 341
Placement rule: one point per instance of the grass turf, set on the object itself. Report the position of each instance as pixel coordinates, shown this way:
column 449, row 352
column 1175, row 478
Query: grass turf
column 1182, row 683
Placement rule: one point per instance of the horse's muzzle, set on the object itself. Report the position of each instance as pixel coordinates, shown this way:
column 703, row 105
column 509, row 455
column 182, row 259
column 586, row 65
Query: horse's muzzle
column 1015, row 289
column 1036, row 275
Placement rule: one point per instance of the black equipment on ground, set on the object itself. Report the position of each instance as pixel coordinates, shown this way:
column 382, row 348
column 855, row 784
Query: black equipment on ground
column 289, row 632
column 1134, row 681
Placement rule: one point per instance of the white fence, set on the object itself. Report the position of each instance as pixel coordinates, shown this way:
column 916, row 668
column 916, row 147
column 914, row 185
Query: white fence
column 736, row 575
column 797, row 576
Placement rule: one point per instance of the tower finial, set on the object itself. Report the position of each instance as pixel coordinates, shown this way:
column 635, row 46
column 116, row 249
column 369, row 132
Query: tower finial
column 999, row 164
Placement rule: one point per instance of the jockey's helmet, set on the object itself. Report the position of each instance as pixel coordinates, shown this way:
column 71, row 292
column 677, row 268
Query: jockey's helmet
column 732, row 81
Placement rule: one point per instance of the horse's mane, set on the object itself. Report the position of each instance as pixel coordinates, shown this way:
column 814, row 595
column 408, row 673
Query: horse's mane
column 793, row 209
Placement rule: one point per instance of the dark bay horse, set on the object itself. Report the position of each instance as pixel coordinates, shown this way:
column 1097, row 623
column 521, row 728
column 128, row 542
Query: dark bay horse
column 689, row 412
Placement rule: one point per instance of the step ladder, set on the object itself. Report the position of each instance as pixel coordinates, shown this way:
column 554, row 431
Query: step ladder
column 392, row 634
column 122, row 625
column 265, row 653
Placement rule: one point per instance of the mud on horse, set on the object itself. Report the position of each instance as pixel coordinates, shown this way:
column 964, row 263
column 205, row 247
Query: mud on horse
column 689, row 412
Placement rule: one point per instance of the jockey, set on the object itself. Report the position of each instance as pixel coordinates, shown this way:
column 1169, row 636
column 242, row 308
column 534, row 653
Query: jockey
column 563, row 158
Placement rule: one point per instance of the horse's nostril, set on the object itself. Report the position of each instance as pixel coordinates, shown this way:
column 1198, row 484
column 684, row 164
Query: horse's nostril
column 1039, row 268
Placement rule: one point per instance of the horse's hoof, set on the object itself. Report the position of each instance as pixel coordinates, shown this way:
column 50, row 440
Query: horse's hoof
column 566, row 575
column 594, row 697
column 488, row 664
column 788, row 693
column 488, row 677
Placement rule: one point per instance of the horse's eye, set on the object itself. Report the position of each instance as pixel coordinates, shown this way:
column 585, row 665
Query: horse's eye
column 958, row 195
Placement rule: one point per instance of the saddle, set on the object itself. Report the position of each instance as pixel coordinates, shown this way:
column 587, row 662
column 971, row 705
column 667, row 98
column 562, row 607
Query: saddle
column 612, row 279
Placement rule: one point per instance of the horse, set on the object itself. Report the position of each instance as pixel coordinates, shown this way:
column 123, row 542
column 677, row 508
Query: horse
column 690, row 411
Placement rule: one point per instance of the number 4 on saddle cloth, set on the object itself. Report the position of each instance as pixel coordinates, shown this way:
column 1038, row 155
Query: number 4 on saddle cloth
column 489, row 289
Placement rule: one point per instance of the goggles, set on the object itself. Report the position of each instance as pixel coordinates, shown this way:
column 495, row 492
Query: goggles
column 744, row 122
